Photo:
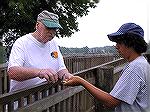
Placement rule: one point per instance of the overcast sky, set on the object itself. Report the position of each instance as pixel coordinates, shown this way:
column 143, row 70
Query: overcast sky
column 106, row 18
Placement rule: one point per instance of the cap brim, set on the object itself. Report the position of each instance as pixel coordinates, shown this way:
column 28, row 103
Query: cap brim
column 52, row 24
column 114, row 36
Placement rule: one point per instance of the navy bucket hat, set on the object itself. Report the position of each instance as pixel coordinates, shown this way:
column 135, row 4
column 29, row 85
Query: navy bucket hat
column 127, row 28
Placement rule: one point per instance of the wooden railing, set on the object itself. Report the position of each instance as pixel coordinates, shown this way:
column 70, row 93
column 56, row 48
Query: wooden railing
column 58, row 98
column 73, row 63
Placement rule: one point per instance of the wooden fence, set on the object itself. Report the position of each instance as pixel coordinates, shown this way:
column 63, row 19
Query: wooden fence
column 73, row 63
column 58, row 98
column 80, row 62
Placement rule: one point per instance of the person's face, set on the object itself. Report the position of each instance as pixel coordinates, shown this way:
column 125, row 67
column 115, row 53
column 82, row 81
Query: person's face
column 122, row 49
column 45, row 34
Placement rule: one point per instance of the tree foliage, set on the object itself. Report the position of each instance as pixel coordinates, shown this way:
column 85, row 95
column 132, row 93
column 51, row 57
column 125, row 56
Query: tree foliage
column 18, row 17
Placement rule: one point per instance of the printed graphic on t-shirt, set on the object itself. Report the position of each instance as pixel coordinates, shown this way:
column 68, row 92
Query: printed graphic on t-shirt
column 54, row 54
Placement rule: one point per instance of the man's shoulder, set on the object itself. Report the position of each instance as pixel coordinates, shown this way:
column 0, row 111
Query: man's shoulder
column 23, row 38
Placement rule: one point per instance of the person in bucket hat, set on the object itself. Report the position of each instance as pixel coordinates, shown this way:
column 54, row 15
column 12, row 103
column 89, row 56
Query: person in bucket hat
column 131, row 93
column 35, row 57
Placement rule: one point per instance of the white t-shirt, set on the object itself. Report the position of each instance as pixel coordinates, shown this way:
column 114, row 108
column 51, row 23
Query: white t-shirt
column 132, row 88
column 29, row 52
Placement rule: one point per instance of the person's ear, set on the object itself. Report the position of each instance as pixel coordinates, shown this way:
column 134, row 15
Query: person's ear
column 37, row 24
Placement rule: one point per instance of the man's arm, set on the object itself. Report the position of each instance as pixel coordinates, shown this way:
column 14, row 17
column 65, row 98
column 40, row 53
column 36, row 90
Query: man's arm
column 23, row 73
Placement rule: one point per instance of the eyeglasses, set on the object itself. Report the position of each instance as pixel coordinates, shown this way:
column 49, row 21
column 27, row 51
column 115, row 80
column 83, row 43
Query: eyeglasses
column 55, row 29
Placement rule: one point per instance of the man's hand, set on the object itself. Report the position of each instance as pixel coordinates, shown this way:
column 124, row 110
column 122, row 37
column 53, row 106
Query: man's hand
column 67, row 75
column 49, row 74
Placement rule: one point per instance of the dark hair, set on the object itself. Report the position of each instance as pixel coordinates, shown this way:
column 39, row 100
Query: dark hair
column 133, row 41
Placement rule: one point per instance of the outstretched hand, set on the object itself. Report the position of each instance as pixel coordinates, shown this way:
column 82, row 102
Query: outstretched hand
column 73, row 81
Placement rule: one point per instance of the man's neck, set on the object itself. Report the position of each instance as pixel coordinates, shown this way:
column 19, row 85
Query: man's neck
column 36, row 35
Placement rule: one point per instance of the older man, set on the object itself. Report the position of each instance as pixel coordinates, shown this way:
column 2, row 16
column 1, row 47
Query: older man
column 35, row 57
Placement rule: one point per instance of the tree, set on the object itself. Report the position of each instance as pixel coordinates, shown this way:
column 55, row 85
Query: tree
column 18, row 17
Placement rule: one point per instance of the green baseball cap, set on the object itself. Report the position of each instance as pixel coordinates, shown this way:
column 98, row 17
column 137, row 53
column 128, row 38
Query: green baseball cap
column 49, row 19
